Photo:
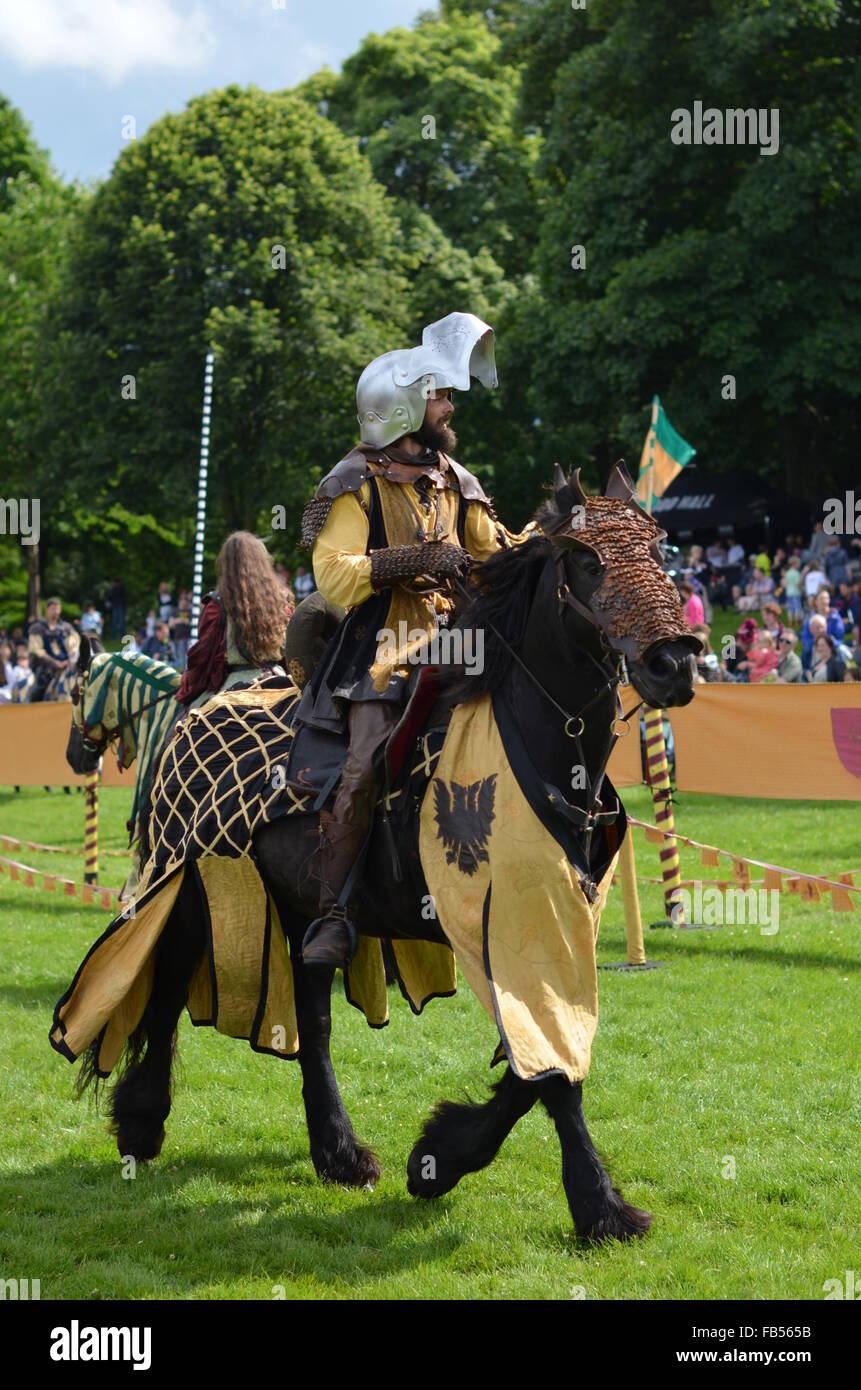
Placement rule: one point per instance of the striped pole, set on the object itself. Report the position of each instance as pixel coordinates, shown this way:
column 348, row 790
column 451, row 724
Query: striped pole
column 656, row 754
column 659, row 781
column 91, row 827
column 202, row 477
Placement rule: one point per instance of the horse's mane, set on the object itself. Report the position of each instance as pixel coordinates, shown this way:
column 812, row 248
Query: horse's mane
column 502, row 590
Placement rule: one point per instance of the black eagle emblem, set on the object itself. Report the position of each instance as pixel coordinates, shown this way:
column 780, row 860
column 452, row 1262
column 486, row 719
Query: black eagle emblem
column 463, row 817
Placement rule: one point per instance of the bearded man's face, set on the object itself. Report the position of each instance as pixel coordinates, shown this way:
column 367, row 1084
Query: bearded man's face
column 435, row 432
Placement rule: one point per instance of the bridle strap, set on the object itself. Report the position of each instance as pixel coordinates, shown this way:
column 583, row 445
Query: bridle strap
column 90, row 744
column 594, row 815
column 611, row 682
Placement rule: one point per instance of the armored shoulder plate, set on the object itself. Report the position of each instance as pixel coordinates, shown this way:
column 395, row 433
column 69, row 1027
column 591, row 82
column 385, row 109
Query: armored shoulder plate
column 353, row 470
column 470, row 487
column 347, row 476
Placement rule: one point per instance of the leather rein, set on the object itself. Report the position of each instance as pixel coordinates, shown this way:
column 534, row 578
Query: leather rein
column 613, row 668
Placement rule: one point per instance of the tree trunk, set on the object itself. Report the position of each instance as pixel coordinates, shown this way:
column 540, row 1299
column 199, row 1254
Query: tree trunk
column 34, row 582
column 799, row 479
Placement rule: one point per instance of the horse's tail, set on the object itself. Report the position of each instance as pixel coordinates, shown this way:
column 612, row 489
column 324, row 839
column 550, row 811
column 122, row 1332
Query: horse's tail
column 88, row 1067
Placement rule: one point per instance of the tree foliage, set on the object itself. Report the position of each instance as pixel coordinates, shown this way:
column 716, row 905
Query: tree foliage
column 701, row 260
column 19, row 153
column 434, row 108
column 36, row 215
column 249, row 225
column 454, row 165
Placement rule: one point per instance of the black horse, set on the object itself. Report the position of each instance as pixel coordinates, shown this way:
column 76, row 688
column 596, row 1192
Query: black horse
column 563, row 617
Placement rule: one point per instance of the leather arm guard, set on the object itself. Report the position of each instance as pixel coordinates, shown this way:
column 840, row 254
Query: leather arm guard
column 437, row 558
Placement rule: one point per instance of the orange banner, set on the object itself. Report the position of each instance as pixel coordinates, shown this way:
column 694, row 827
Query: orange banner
column 33, row 742
column 784, row 741
column 790, row 742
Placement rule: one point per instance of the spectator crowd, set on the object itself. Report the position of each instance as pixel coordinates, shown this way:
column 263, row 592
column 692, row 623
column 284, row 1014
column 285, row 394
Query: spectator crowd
column 33, row 652
column 800, row 607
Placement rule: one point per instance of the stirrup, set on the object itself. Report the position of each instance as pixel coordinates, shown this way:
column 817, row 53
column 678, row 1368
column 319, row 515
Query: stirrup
column 317, row 927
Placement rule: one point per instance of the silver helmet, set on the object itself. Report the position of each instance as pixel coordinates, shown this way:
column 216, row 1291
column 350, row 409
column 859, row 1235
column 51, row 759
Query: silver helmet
column 393, row 389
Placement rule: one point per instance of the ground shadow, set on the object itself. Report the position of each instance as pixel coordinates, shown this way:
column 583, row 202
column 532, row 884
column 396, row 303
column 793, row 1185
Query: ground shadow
column 25, row 995
column 385, row 1233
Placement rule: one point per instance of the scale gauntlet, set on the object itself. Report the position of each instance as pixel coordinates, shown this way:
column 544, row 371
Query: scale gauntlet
column 437, row 558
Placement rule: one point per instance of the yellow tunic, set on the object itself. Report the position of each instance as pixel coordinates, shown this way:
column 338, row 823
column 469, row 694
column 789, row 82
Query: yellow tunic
column 342, row 565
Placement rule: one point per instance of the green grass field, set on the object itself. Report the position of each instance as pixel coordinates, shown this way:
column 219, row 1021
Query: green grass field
column 741, row 1051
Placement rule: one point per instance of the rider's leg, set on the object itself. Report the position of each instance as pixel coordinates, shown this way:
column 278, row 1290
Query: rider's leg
column 343, row 830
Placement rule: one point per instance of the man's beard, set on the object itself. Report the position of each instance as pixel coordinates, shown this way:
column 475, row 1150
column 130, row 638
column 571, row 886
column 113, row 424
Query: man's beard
column 438, row 437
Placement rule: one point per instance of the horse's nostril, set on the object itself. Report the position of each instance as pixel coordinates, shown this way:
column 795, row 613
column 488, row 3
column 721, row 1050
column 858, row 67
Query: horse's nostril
column 662, row 663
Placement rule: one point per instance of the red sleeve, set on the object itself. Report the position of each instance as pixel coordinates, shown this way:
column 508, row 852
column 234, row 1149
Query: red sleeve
column 207, row 659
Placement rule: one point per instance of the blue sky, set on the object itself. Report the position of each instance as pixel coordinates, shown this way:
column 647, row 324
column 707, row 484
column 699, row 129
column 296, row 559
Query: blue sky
column 77, row 68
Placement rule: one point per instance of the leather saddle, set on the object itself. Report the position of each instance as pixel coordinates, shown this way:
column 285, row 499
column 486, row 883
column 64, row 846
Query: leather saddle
column 317, row 755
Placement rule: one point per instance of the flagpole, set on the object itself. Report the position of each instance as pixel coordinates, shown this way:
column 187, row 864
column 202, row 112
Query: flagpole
column 657, row 762
column 655, row 408
column 202, row 477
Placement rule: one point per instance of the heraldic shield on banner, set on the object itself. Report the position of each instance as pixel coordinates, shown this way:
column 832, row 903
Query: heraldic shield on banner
column 846, row 732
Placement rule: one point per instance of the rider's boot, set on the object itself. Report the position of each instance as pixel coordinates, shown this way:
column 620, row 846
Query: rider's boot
column 331, row 939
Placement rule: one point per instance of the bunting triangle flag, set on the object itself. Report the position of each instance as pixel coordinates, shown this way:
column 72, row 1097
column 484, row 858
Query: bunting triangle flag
column 664, row 456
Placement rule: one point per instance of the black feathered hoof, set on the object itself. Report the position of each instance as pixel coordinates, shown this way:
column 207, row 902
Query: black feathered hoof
column 619, row 1221
column 138, row 1112
column 351, row 1166
column 138, row 1140
column 426, row 1176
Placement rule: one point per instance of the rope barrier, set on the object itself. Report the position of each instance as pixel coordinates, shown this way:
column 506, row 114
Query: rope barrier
column 10, row 842
column 774, row 874
column 26, row 875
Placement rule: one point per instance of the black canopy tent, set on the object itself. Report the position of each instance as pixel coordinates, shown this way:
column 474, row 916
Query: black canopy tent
column 698, row 504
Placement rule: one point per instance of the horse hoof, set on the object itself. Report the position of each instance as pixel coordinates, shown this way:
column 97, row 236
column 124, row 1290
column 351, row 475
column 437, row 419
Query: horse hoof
column 140, row 1142
column 620, row 1221
column 424, row 1175
column 358, row 1168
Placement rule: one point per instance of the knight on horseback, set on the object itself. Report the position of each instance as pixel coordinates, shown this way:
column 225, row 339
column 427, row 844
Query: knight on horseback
column 391, row 528
column 53, row 646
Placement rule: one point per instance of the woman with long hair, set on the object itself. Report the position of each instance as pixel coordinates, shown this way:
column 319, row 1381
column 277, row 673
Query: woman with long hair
column 243, row 623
